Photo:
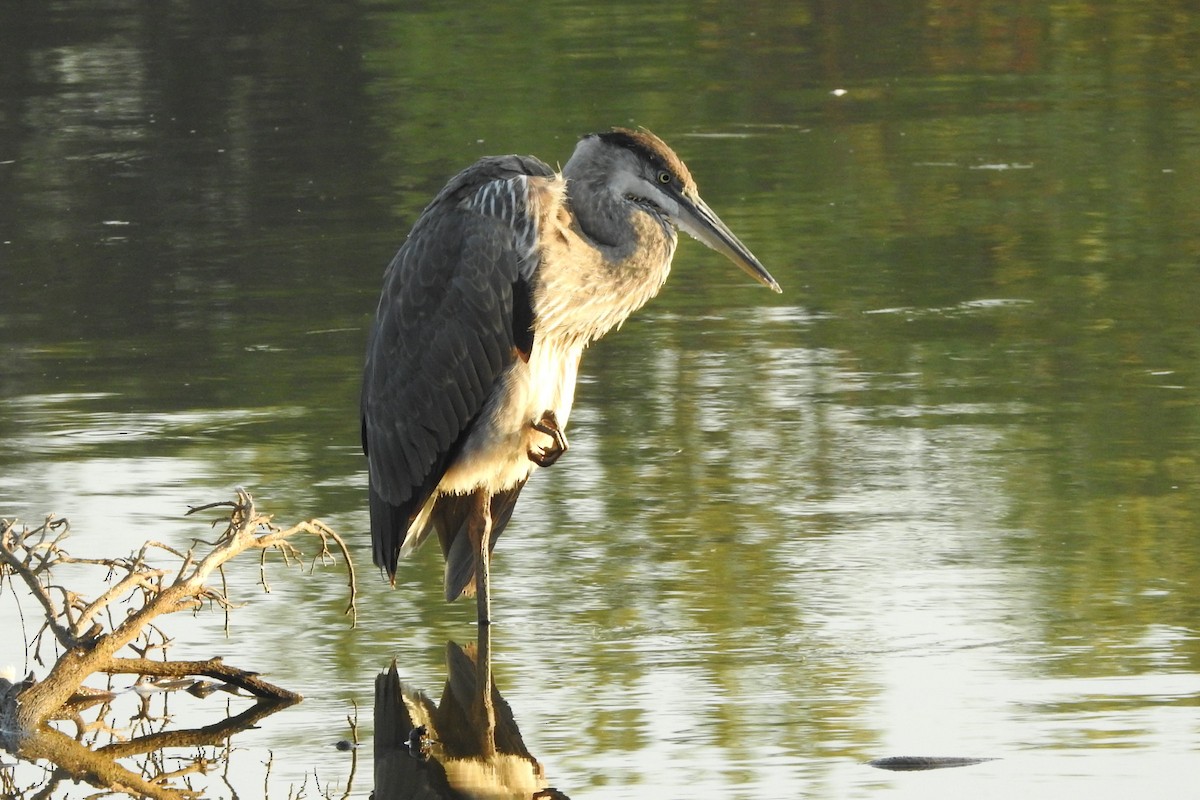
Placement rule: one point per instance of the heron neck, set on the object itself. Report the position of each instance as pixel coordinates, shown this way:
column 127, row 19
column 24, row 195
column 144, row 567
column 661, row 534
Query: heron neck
column 624, row 233
column 620, row 259
column 603, row 219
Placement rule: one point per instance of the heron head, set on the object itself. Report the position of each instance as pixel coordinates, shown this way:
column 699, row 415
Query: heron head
column 639, row 166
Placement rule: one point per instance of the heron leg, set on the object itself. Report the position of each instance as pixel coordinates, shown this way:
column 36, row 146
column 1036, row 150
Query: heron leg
column 546, row 456
column 480, row 529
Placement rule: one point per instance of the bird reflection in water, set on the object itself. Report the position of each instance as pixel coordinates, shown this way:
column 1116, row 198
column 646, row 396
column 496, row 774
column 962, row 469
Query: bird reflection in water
column 466, row 746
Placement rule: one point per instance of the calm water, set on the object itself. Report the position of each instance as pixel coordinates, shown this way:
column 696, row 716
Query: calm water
column 940, row 498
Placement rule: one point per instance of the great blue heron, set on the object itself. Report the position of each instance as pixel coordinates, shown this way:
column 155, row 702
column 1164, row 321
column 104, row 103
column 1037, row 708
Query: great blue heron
column 506, row 277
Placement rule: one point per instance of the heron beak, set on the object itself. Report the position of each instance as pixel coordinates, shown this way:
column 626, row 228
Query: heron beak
column 702, row 224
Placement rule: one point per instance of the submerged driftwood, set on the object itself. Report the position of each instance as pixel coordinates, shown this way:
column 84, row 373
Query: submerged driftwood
column 116, row 633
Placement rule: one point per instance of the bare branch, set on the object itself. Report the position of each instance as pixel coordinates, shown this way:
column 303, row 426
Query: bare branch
column 10, row 546
column 92, row 637
column 214, row 668
column 144, row 580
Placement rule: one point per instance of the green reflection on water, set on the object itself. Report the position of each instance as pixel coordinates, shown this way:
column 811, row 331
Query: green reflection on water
column 971, row 421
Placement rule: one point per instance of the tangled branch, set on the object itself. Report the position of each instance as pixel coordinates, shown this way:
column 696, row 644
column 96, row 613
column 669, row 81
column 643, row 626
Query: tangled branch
column 92, row 637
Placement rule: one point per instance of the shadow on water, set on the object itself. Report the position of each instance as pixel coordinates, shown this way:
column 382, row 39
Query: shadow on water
column 467, row 745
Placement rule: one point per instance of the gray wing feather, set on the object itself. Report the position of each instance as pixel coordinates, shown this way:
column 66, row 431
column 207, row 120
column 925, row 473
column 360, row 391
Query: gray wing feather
column 442, row 336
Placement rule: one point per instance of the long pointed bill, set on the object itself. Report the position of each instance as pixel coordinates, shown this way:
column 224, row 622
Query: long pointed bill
column 699, row 221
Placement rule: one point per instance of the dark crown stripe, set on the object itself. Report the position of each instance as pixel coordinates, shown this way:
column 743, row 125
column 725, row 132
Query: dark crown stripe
column 646, row 145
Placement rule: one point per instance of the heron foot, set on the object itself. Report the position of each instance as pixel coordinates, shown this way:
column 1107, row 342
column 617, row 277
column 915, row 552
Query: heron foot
column 546, row 456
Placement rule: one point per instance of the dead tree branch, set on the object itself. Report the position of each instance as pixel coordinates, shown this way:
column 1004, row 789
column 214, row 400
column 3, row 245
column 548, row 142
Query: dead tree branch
column 146, row 589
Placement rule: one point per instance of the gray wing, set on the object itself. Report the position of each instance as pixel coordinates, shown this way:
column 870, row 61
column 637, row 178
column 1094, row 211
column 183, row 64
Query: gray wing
column 454, row 308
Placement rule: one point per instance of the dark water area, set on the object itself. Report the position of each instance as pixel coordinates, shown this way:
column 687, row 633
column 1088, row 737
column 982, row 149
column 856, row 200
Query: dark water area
column 939, row 498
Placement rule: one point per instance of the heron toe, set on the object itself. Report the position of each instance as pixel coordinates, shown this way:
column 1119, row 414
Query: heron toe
column 546, row 456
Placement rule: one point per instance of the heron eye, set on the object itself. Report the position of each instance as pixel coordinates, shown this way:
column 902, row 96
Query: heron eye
column 664, row 177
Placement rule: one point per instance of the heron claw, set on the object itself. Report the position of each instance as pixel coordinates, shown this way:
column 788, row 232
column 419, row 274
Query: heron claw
column 546, row 456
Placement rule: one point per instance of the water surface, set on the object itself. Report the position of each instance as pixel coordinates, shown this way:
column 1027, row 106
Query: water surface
column 937, row 499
